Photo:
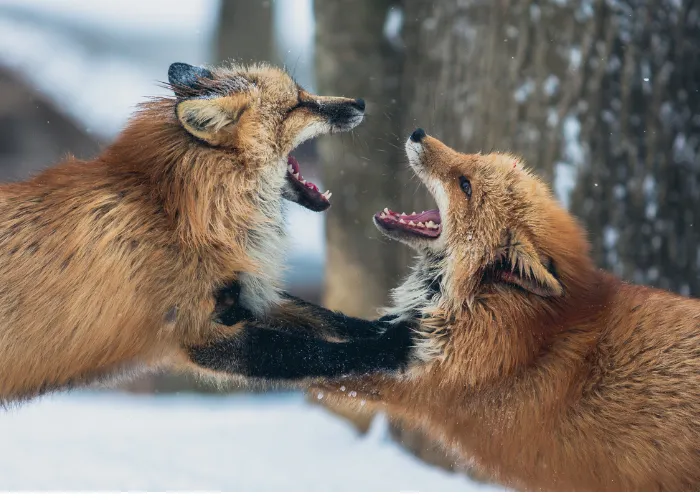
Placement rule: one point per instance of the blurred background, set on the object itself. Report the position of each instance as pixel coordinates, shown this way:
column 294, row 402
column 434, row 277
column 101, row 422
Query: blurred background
column 601, row 97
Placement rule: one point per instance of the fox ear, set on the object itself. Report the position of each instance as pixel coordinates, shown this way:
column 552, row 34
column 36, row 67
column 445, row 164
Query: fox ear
column 210, row 119
column 527, row 269
column 183, row 77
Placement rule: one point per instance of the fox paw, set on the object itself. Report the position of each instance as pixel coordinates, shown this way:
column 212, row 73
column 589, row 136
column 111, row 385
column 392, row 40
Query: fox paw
column 228, row 309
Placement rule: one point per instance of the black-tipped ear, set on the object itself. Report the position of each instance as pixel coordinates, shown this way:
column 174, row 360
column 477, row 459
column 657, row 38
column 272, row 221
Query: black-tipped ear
column 184, row 75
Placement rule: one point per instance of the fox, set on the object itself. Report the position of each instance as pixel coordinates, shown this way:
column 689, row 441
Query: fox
column 116, row 265
column 509, row 346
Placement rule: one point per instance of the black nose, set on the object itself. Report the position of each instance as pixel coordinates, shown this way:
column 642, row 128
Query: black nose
column 359, row 104
column 418, row 135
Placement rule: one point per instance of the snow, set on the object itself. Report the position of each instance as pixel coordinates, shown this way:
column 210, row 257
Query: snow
column 649, row 187
column 573, row 152
column 296, row 45
column 564, row 182
column 573, row 149
column 551, row 85
column 306, row 229
column 392, row 27
column 98, row 60
column 271, row 442
column 158, row 17
column 610, row 237
column 523, row 91
column 575, row 58
column 78, row 82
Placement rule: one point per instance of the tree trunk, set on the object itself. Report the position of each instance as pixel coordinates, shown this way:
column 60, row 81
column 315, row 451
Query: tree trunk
column 599, row 97
column 354, row 58
column 245, row 32
column 640, row 123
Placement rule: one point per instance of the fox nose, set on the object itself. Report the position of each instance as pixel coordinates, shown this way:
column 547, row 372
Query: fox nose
column 418, row 135
column 359, row 104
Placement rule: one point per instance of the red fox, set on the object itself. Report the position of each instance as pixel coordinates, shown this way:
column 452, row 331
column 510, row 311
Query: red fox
column 507, row 344
column 113, row 264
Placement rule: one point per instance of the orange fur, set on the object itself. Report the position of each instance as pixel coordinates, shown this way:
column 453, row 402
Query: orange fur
column 110, row 264
column 591, row 386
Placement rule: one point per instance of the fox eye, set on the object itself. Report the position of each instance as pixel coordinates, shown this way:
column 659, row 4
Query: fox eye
column 466, row 186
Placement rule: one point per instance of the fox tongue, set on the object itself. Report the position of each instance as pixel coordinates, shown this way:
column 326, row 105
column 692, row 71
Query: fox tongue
column 428, row 215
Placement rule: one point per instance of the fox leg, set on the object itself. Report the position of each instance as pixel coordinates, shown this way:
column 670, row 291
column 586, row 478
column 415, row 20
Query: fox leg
column 333, row 323
column 259, row 351
column 227, row 309
column 296, row 315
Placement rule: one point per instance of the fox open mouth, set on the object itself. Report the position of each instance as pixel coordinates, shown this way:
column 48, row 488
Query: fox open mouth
column 426, row 224
column 306, row 193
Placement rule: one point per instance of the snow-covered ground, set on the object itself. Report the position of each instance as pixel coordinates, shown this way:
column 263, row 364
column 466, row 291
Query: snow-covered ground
column 273, row 442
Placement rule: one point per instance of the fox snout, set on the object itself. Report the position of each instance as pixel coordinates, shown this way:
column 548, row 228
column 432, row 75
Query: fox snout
column 417, row 151
column 342, row 114
column 418, row 135
column 428, row 155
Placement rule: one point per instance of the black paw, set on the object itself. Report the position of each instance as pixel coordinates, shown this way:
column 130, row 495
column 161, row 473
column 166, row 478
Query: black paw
column 228, row 309
column 397, row 344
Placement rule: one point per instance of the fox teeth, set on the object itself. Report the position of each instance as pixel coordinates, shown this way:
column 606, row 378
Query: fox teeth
column 386, row 210
column 430, row 224
column 297, row 176
column 290, row 169
column 403, row 214
column 402, row 221
column 413, row 213
column 411, row 223
column 420, row 224
column 328, row 196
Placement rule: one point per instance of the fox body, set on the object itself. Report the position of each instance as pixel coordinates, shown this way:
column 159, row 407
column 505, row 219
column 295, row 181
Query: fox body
column 541, row 369
column 535, row 366
column 112, row 264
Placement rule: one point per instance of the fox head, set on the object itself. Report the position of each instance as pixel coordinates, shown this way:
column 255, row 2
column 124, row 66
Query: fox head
column 497, row 229
column 217, row 153
column 260, row 114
